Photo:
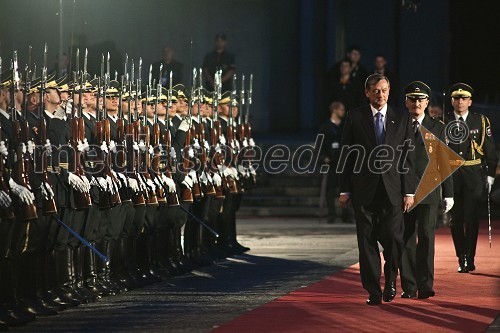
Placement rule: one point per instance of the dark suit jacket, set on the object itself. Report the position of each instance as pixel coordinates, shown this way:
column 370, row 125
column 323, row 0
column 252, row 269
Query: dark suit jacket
column 6, row 128
column 433, row 160
column 358, row 176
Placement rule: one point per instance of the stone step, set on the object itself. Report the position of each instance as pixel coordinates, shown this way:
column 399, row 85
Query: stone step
column 281, row 211
column 281, row 201
column 305, row 191
column 288, row 181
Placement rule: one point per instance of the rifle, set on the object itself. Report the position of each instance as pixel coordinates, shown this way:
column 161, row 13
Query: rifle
column 187, row 162
column 248, row 127
column 19, row 140
column 231, row 183
column 208, row 188
column 115, row 195
column 120, row 132
column 172, row 199
column 131, row 139
column 155, row 163
column 217, row 158
column 48, row 205
column 77, row 125
column 104, row 197
column 145, row 159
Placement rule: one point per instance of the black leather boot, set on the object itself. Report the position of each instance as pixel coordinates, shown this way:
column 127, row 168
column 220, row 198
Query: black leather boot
column 65, row 276
column 90, row 274
column 26, row 287
column 78, row 285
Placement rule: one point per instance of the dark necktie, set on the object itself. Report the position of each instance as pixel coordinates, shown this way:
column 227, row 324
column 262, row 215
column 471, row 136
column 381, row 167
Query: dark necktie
column 416, row 129
column 379, row 128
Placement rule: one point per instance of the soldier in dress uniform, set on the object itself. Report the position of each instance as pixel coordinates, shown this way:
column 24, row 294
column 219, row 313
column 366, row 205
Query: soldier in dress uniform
column 473, row 141
column 417, row 263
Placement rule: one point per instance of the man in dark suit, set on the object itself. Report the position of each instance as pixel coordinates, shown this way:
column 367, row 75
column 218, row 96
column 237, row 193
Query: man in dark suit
column 380, row 181
column 474, row 142
column 417, row 263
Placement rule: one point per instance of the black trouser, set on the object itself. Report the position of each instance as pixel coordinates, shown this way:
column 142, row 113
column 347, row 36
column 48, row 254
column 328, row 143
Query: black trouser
column 417, row 261
column 379, row 221
column 468, row 187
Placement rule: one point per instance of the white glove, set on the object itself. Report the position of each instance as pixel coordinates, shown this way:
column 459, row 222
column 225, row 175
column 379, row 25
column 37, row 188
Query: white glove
column 204, row 178
column 151, row 185
column 5, row 200
column 122, row 177
column 188, row 182
column 87, row 183
column 170, row 183
column 448, row 204
column 110, row 185
column 242, row 170
column 133, row 184
column 184, row 126
column 47, row 192
column 226, row 172
column 31, row 147
column 112, row 146
column 193, row 176
column 3, row 150
column 83, row 146
column 104, row 147
column 99, row 182
column 22, row 192
column 77, row 183
column 234, row 172
column 158, row 182
column 217, row 179
column 490, row 180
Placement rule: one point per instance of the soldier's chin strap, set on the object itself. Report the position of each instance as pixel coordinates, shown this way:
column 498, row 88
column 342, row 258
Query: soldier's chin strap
column 81, row 239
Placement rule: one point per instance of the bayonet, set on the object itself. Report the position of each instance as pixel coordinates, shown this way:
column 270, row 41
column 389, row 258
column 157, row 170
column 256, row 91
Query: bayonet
column 169, row 92
column 77, row 63
column 200, row 95
column 125, row 69
column 85, row 65
column 139, row 75
column 150, row 77
column 108, row 71
column 102, row 65
column 242, row 100
column 249, row 99
column 30, row 51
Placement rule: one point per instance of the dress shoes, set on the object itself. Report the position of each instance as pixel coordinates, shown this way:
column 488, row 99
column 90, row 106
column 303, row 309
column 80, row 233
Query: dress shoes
column 423, row 294
column 374, row 300
column 389, row 292
column 36, row 307
column 409, row 294
column 462, row 264
column 469, row 264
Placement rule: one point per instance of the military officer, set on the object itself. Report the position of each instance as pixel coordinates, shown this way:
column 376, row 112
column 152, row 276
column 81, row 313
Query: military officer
column 417, row 262
column 473, row 141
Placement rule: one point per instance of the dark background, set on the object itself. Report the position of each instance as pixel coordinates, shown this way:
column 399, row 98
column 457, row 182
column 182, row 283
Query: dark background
column 287, row 44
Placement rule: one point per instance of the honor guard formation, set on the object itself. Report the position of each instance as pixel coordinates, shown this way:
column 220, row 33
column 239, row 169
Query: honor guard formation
column 108, row 185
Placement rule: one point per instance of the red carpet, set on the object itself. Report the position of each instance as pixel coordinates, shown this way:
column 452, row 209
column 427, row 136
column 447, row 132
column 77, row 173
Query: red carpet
column 463, row 302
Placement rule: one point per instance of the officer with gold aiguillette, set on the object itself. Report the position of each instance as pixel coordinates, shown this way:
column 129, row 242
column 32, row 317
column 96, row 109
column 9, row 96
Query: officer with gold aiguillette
column 469, row 135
